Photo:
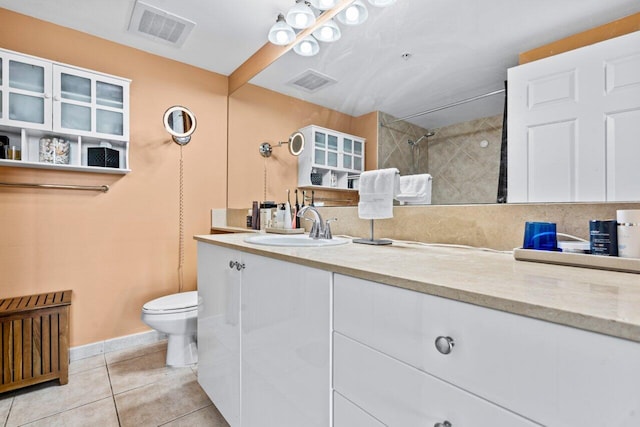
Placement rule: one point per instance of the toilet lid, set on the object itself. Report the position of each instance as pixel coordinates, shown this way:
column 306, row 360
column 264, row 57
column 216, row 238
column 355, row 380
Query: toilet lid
column 181, row 301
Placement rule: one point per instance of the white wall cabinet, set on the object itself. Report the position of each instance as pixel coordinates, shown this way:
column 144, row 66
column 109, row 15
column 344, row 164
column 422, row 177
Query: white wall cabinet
column 263, row 338
column 40, row 98
column 334, row 158
column 548, row 373
column 573, row 125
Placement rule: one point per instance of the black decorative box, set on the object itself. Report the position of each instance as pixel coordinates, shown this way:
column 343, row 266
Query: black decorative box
column 316, row 178
column 103, row 157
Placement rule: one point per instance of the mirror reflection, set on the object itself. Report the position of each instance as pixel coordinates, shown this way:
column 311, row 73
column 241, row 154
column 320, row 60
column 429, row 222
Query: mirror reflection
column 416, row 56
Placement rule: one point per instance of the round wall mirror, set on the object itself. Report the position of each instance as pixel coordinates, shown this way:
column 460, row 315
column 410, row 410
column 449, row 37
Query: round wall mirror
column 296, row 143
column 180, row 122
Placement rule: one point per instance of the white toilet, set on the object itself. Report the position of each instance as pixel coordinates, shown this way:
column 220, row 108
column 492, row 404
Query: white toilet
column 175, row 315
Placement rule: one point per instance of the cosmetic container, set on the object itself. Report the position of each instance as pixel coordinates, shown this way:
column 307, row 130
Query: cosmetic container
column 628, row 233
column 603, row 237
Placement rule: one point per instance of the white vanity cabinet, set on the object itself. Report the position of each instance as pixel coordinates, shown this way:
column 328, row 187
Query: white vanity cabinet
column 263, row 338
column 547, row 373
column 41, row 98
column 219, row 328
column 331, row 159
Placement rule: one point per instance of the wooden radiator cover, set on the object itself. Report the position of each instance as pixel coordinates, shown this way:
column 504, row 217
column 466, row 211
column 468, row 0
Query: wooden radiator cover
column 35, row 339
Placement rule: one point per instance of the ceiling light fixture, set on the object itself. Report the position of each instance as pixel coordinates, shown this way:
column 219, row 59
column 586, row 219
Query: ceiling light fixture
column 288, row 28
column 355, row 14
column 323, row 4
column 328, row 32
column 382, row 3
column 300, row 16
column 281, row 33
column 308, row 46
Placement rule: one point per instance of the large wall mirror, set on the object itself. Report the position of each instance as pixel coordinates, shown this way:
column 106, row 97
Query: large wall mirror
column 408, row 58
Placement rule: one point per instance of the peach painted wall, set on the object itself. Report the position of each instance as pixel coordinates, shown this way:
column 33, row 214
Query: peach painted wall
column 259, row 115
column 120, row 249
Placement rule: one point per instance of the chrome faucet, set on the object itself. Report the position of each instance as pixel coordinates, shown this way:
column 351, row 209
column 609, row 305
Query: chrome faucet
column 319, row 229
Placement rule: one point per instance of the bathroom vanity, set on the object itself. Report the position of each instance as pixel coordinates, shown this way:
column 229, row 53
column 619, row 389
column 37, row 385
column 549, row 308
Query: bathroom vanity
column 403, row 335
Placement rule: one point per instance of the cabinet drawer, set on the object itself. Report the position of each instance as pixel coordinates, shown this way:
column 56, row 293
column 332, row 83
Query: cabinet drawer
column 346, row 414
column 399, row 395
column 553, row 374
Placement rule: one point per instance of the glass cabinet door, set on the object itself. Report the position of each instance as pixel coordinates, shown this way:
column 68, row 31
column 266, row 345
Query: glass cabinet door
column 90, row 104
column 25, row 92
column 332, row 151
column 357, row 155
column 320, row 148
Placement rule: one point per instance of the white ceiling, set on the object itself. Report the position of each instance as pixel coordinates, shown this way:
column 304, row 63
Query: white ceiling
column 460, row 48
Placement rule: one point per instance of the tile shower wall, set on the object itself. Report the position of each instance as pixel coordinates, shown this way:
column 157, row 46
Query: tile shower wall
column 394, row 150
column 463, row 171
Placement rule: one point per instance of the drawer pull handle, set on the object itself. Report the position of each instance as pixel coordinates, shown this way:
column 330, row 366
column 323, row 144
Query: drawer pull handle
column 237, row 265
column 444, row 344
column 443, row 424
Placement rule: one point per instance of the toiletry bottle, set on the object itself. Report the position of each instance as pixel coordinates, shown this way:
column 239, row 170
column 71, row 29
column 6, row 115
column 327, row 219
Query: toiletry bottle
column 295, row 212
column 629, row 233
column 281, row 220
column 255, row 213
column 250, row 218
column 287, row 216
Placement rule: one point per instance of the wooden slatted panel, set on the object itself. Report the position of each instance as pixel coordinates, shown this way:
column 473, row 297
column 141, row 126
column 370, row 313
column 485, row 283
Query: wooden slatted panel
column 55, row 343
column 34, row 339
column 27, row 348
column 46, row 344
column 36, row 346
column 17, row 350
column 63, row 326
column 7, row 353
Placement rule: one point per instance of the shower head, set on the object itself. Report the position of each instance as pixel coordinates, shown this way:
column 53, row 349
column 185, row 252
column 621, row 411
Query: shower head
column 416, row 142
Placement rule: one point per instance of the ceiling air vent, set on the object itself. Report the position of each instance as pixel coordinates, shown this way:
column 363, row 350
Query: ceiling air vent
column 311, row 81
column 159, row 25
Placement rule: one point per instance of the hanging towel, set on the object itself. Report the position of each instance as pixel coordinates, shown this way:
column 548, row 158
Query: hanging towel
column 377, row 189
column 415, row 189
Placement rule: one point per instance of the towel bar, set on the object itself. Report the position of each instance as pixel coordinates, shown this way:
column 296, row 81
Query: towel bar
column 103, row 188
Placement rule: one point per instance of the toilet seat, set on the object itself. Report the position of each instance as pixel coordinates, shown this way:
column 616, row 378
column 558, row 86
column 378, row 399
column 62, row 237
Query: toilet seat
column 174, row 303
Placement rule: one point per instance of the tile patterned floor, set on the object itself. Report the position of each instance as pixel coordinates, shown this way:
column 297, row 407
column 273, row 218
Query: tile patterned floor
column 131, row 387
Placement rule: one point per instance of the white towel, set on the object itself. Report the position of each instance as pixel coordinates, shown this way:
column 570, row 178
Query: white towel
column 377, row 190
column 415, row 189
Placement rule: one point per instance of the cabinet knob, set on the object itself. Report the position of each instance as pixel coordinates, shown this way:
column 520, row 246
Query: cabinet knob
column 237, row 265
column 47, row 95
column 56, row 98
column 444, row 344
column 443, row 424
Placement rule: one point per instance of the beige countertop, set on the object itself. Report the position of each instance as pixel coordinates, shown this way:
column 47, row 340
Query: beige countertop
column 595, row 300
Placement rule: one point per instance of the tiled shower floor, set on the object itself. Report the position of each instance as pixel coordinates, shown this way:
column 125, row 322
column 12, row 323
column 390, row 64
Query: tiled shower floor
column 131, row 387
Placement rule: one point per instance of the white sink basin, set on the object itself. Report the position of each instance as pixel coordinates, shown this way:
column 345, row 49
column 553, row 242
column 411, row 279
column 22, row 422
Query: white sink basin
column 293, row 240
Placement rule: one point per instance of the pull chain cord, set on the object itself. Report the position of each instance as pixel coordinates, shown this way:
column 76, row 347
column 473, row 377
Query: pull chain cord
column 264, row 195
column 181, row 228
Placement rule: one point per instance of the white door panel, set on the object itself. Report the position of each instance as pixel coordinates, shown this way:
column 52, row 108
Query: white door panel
column 623, row 155
column 586, row 86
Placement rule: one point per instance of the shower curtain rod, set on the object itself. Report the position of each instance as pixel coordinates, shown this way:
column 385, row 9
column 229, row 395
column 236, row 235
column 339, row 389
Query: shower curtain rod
column 444, row 107
column 103, row 188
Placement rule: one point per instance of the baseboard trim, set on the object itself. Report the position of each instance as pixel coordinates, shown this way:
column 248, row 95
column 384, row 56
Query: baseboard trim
column 113, row 344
